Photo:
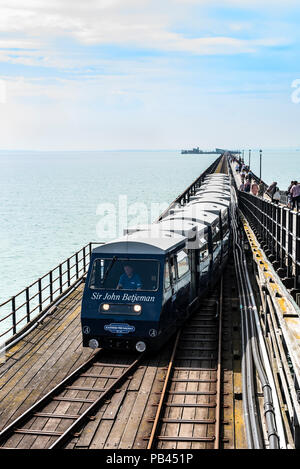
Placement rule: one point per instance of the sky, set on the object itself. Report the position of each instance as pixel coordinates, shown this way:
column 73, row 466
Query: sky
column 149, row 74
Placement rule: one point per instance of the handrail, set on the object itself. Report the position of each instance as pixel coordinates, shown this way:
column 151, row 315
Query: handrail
column 277, row 228
column 26, row 306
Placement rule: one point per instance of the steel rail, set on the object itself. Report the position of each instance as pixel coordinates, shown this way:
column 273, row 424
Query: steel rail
column 79, row 420
column 168, row 380
column 9, row 430
column 59, row 443
column 219, row 371
column 163, row 393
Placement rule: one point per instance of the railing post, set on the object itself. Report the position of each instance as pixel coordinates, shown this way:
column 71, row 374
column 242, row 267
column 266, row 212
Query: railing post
column 76, row 256
column 84, row 260
column 40, row 295
column 298, row 251
column 27, row 305
column 14, row 320
column 51, row 285
column 68, row 269
column 60, row 278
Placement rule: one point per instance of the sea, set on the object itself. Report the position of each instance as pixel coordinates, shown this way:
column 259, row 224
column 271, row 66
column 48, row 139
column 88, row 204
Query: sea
column 53, row 203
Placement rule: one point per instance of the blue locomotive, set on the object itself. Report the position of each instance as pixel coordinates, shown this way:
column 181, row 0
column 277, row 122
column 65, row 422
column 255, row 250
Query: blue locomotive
column 141, row 287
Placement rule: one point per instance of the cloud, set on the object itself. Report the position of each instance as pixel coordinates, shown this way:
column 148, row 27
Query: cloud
column 247, row 4
column 140, row 24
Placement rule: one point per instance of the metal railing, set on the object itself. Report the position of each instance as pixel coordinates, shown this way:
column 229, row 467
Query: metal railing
column 34, row 300
column 278, row 230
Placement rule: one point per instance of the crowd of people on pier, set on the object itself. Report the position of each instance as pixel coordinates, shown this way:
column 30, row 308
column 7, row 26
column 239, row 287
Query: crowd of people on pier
column 248, row 183
column 293, row 195
column 255, row 186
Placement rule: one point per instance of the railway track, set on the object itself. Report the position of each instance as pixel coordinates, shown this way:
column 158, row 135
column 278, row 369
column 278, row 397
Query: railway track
column 55, row 419
column 189, row 413
column 186, row 393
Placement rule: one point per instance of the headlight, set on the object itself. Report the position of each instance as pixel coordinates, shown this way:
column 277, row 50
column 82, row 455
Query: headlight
column 93, row 343
column 137, row 308
column 105, row 307
column 140, row 346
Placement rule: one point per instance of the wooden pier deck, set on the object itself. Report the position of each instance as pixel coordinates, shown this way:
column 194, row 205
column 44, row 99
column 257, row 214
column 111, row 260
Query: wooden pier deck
column 42, row 359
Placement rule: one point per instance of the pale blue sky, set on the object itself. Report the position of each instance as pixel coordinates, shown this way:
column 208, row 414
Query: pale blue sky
column 116, row 74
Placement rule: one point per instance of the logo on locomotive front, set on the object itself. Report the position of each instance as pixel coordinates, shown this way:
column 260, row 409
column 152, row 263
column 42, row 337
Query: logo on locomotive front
column 118, row 328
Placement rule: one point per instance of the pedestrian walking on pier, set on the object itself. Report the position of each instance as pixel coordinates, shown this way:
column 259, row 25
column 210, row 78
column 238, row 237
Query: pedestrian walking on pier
column 255, row 188
column 271, row 190
column 247, row 186
column 289, row 195
column 276, row 196
column 295, row 193
column 260, row 189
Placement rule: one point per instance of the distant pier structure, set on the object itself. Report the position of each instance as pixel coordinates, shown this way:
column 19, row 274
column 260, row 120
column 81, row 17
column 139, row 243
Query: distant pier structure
column 217, row 151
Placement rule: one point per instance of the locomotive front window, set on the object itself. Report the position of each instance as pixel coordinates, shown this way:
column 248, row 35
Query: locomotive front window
column 124, row 274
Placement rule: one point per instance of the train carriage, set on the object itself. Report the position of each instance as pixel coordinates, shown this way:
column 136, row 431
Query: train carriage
column 140, row 287
column 117, row 314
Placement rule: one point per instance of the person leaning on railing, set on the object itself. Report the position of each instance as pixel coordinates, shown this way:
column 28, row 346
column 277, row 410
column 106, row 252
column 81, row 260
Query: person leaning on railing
column 295, row 193
column 289, row 195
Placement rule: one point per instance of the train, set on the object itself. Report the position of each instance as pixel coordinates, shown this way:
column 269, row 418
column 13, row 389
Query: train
column 141, row 287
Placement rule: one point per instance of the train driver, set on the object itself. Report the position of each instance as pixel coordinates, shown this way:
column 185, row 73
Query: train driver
column 129, row 280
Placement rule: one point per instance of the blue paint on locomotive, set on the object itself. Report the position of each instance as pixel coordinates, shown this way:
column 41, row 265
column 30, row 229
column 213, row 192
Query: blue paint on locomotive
column 139, row 287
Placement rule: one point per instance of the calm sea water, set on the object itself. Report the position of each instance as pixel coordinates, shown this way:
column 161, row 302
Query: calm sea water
column 51, row 203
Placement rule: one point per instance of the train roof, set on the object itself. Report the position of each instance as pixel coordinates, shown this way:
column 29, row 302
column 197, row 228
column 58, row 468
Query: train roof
column 213, row 188
column 215, row 183
column 142, row 243
column 214, row 207
column 217, row 176
column 194, row 213
column 210, row 193
column 180, row 224
column 211, row 198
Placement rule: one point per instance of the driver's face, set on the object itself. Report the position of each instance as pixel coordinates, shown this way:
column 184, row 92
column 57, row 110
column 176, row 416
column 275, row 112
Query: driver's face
column 128, row 270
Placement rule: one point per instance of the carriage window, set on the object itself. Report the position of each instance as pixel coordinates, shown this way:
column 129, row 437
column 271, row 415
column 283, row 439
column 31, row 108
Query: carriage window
column 216, row 236
column 124, row 274
column 204, row 248
column 173, row 271
column 167, row 276
column 182, row 263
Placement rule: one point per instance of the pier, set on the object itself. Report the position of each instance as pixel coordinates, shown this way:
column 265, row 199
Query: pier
column 228, row 379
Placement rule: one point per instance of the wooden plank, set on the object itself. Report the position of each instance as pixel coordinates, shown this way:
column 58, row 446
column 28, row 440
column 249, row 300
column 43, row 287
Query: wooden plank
column 129, row 435
column 119, row 426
